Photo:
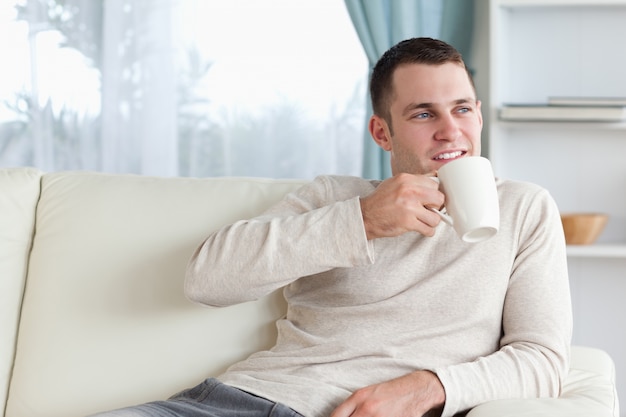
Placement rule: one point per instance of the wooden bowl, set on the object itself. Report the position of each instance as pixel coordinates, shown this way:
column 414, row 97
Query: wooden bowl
column 583, row 228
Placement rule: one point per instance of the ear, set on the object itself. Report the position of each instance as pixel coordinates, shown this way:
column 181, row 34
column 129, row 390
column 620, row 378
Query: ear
column 380, row 132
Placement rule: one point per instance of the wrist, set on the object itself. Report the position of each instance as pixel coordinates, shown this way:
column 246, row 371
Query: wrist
column 367, row 225
column 437, row 393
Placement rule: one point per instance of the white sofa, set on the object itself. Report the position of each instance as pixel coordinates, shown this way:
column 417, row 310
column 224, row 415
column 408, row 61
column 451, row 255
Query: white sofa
column 92, row 312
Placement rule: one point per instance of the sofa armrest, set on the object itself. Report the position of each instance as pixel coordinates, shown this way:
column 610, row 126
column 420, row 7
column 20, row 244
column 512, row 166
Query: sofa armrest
column 19, row 193
column 589, row 391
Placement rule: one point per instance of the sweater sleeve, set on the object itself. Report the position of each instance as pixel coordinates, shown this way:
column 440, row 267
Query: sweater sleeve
column 533, row 358
column 308, row 232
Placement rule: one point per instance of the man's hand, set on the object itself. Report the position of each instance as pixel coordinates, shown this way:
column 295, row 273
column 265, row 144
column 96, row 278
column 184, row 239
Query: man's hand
column 412, row 395
column 400, row 204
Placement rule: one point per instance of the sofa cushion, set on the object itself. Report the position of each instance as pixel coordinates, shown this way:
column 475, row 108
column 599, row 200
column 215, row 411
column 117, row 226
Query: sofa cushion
column 104, row 320
column 19, row 192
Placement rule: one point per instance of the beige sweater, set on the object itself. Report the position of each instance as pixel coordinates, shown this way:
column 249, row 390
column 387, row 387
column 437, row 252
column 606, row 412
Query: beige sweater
column 492, row 319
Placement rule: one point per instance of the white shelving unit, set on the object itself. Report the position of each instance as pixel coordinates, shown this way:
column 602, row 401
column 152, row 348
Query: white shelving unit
column 545, row 48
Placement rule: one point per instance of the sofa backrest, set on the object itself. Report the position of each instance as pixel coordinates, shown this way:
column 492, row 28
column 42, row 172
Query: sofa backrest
column 19, row 192
column 104, row 321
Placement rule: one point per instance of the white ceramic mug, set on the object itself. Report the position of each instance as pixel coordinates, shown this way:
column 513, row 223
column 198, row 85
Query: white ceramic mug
column 471, row 206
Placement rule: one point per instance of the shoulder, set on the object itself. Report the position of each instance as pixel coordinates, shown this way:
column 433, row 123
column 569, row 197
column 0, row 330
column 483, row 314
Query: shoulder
column 525, row 202
column 518, row 187
column 522, row 192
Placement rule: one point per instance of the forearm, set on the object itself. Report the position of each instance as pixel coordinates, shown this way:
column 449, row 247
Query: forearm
column 249, row 259
column 517, row 371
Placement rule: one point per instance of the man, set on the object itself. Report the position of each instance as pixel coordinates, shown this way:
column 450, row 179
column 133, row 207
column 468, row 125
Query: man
column 390, row 314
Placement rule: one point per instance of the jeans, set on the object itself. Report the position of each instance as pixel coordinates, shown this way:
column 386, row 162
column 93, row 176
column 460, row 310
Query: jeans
column 209, row 399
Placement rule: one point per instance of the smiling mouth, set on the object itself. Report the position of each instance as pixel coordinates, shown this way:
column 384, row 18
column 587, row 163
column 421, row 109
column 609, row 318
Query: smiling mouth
column 449, row 155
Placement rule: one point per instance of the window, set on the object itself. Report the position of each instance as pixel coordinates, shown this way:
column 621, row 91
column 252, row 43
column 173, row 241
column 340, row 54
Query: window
column 271, row 88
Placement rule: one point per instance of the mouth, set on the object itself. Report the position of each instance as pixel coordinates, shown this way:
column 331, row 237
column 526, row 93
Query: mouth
column 448, row 156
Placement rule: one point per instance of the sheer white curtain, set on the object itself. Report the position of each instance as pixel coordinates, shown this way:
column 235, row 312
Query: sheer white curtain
column 182, row 87
column 139, row 95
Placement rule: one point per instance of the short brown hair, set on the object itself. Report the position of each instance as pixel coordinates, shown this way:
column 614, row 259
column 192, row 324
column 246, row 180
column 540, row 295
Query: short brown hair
column 411, row 51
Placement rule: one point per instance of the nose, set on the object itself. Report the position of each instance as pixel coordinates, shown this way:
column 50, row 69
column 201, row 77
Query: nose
column 447, row 128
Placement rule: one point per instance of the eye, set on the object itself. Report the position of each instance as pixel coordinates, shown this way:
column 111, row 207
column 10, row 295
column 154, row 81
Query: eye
column 464, row 110
column 422, row 115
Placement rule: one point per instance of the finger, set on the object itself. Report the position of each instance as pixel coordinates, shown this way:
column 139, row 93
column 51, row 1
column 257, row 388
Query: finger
column 433, row 181
column 426, row 222
column 429, row 217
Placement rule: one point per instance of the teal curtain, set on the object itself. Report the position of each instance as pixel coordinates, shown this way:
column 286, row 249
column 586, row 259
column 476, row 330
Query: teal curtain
column 381, row 24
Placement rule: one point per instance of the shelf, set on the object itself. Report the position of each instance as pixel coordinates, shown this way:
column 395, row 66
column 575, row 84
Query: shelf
column 550, row 3
column 563, row 125
column 597, row 251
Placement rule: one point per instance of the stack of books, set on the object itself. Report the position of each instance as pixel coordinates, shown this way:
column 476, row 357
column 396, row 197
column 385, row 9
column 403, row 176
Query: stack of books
column 569, row 109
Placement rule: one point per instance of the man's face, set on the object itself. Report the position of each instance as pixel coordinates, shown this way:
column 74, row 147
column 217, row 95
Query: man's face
column 435, row 117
